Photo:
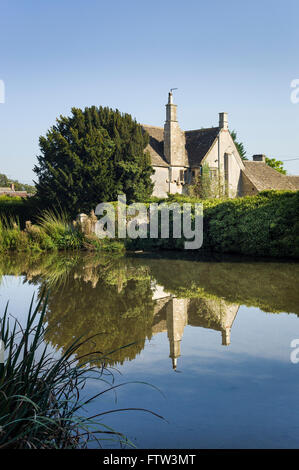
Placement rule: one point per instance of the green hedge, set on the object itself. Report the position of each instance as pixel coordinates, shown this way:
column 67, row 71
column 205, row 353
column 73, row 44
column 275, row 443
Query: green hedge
column 18, row 208
column 262, row 225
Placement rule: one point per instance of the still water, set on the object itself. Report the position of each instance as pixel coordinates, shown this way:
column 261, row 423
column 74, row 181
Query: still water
column 213, row 336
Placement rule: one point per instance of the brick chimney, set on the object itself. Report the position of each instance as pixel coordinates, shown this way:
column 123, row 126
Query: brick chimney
column 174, row 139
column 223, row 121
column 259, row 158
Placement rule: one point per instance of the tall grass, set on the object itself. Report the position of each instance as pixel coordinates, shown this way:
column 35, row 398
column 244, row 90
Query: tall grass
column 40, row 405
column 53, row 231
column 62, row 232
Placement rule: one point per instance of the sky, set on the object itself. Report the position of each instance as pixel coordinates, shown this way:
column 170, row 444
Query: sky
column 232, row 56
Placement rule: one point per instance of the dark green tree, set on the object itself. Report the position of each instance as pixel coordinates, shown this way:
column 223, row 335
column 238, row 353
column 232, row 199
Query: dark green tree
column 239, row 145
column 276, row 164
column 91, row 157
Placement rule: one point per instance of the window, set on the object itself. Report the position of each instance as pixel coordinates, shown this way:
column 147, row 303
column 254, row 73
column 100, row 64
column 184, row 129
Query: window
column 213, row 173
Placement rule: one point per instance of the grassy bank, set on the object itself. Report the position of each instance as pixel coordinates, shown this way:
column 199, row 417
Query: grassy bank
column 52, row 232
column 265, row 225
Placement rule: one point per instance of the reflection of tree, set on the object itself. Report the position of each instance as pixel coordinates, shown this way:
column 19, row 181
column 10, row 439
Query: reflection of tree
column 91, row 294
column 271, row 286
column 113, row 296
column 119, row 307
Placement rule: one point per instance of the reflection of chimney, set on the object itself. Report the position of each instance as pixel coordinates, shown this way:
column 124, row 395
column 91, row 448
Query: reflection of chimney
column 226, row 336
column 120, row 283
column 176, row 318
column 175, row 351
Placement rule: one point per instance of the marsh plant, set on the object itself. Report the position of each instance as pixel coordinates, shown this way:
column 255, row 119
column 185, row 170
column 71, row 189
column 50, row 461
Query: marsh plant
column 40, row 393
column 53, row 231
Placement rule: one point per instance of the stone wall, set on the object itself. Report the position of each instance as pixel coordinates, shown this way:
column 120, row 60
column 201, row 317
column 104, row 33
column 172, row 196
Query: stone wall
column 248, row 189
column 234, row 163
column 177, row 181
column 160, row 180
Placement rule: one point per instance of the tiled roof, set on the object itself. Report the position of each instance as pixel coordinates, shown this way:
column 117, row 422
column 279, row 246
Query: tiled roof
column 294, row 180
column 11, row 192
column 198, row 143
column 156, row 145
column 262, row 176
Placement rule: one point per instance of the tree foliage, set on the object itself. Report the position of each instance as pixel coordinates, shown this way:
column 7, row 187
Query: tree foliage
column 276, row 164
column 91, row 157
column 6, row 182
column 239, row 145
column 207, row 184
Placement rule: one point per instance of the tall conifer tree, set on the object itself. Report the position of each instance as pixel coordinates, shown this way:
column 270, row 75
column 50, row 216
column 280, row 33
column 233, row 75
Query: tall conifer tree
column 91, row 157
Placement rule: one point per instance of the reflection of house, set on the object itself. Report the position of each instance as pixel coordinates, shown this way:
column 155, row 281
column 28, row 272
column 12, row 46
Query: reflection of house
column 172, row 315
column 215, row 314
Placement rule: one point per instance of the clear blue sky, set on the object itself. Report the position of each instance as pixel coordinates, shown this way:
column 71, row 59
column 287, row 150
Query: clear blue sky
column 232, row 56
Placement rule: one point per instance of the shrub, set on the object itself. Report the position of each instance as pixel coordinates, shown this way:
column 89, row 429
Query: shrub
column 19, row 208
column 262, row 225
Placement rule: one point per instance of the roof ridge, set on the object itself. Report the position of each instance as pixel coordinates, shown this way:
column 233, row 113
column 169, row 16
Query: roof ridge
column 204, row 129
column 149, row 125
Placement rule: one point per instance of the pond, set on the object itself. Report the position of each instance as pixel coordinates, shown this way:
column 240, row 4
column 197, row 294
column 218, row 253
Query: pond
column 206, row 343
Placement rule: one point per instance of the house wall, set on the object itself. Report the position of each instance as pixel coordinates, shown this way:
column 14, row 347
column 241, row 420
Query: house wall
column 176, row 184
column 248, row 189
column 160, row 180
column 234, row 176
column 234, row 162
column 168, row 180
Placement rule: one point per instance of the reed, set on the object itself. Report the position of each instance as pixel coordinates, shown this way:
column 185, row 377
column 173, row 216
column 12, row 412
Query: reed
column 53, row 231
column 40, row 404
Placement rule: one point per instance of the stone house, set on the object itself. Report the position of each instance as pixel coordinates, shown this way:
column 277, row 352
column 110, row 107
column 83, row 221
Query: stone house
column 177, row 156
column 10, row 191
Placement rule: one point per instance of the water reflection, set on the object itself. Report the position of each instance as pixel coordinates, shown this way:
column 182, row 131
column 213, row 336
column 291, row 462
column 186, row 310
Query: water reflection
column 125, row 301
